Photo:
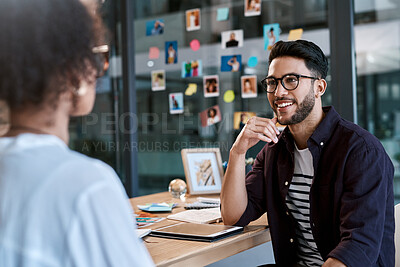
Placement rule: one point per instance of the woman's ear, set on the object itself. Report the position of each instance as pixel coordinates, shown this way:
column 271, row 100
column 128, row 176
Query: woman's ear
column 321, row 87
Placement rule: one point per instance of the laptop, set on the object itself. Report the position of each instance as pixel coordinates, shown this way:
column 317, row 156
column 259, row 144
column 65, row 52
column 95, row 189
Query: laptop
column 196, row 232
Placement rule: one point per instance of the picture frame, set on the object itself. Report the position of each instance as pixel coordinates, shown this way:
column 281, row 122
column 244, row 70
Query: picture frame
column 158, row 80
column 211, row 85
column 203, row 170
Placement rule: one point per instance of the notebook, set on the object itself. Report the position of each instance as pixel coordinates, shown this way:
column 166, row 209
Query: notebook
column 198, row 216
column 196, row 232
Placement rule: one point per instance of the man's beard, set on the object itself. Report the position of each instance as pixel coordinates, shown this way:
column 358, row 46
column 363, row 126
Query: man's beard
column 303, row 110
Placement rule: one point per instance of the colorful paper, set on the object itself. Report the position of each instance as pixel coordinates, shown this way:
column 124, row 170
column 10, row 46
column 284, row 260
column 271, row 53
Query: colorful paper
column 195, row 45
column 222, row 13
column 252, row 62
column 229, row 96
column 154, row 52
column 295, row 34
column 191, row 89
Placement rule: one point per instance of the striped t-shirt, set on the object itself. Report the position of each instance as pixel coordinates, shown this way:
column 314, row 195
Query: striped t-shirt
column 298, row 203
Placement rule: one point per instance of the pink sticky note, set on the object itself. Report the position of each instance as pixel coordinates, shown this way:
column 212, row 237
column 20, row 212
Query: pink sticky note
column 154, row 52
column 195, row 44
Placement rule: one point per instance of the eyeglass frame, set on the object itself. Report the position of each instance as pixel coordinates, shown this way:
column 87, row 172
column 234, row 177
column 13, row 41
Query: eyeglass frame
column 102, row 58
column 298, row 76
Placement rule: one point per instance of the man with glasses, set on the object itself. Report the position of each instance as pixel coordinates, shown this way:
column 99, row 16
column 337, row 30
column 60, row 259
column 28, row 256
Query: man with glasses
column 325, row 183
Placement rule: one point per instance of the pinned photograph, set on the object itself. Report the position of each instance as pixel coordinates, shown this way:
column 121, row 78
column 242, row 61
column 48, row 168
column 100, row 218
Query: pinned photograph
column 271, row 35
column 252, row 8
column 193, row 19
column 176, row 103
column 240, row 118
column 249, row 86
column 203, row 170
column 155, row 27
column 211, row 85
column 191, row 68
column 158, row 80
column 210, row 116
column 232, row 39
column 231, row 63
column 171, row 52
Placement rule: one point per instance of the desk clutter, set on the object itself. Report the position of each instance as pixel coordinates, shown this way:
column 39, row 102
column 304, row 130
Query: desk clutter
column 194, row 222
column 196, row 232
column 157, row 207
column 202, row 216
column 204, row 203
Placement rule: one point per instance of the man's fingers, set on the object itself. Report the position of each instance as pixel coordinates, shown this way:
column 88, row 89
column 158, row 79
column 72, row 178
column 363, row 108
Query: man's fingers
column 268, row 129
column 261, row 133
column 258, row 121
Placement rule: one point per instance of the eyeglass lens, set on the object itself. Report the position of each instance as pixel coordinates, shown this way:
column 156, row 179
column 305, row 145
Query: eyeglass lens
column 289, row 82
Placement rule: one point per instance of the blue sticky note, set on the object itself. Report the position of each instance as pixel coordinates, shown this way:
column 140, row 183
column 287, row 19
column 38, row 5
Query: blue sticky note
column 222, row 13
column 252, row 62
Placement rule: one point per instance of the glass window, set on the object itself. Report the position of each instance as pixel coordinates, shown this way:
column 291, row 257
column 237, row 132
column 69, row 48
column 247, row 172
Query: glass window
column 163, row 131
column 377, row 40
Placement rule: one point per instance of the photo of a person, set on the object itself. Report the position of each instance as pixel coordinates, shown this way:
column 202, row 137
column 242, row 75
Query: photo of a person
column 234, row 63
column 192, row 68
column 252, row 8
column 232, row 39
column 231, row 63
column 240, row 118
column 176, row 103
column 171, row 52
column 210, row 116
column 249, row 86
column 193, row 19
column 211, row 85
column 158, row 80
column 271, row 35
column 195, row 68
column 155, row 27
column 271, row 38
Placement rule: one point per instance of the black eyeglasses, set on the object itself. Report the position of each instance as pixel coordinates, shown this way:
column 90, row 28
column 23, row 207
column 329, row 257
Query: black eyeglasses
column 288, row 81
column 102, row 61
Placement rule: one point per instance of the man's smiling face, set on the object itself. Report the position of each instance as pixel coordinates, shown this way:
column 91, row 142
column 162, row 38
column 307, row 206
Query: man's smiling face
column 291, row 107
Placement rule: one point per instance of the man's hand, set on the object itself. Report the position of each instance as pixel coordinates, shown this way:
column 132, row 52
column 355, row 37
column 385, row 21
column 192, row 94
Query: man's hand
column 233, row 193
column 332, row 262
column 256, row 129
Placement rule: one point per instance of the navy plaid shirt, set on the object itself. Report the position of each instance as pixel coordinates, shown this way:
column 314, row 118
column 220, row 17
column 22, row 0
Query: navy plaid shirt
column 351, row 198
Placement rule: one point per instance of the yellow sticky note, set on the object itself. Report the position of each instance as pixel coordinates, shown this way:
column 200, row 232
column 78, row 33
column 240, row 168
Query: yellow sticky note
column 229, row 96
column 191, row 89
column 295, row 34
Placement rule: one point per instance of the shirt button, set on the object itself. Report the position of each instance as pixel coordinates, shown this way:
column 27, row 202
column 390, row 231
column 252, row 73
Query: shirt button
column 291, row 240
column 286, row 183
column 287, row 213
column 322, row 143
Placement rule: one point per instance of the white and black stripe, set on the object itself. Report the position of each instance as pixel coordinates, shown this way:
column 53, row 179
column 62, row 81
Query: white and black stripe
column 298, row 203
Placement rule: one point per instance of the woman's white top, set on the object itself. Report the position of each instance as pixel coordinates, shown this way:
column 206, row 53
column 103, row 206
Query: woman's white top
column 61, row 208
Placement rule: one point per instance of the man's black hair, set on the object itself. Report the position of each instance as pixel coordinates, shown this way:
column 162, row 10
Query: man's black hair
column 46, row 49
column 312, row 55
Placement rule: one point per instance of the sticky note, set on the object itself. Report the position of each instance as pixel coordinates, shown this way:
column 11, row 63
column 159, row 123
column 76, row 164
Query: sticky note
column 154, row 52
column 191, row 89
column 295, row 34
column 222, row 13
column 229, row 96
column 252, row 62
column 195, row 45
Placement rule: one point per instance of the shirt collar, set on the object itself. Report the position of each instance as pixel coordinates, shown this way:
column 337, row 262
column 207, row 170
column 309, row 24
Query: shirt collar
column 323, row 132
column 326, row 128
column 27, row 141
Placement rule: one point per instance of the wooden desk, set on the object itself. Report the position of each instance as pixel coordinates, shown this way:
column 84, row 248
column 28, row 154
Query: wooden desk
column 173, row 252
